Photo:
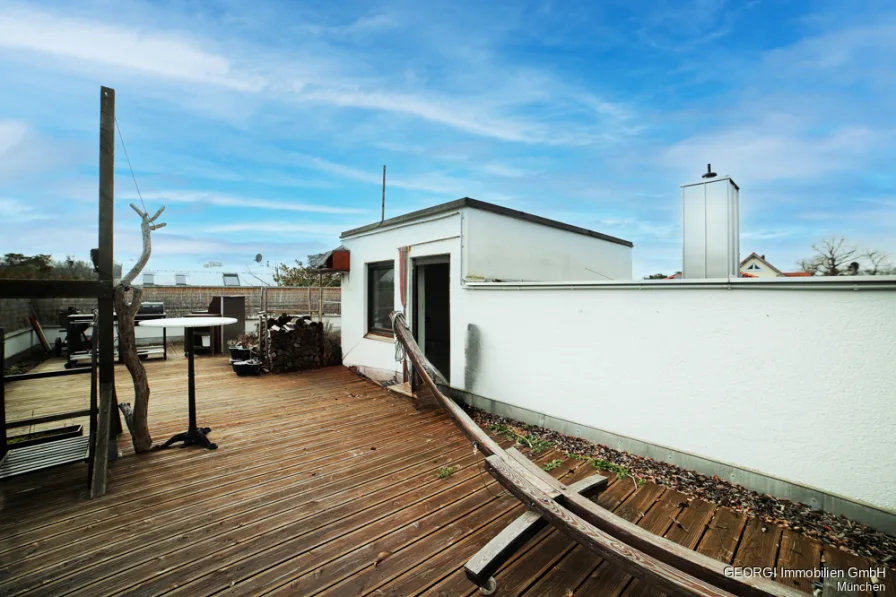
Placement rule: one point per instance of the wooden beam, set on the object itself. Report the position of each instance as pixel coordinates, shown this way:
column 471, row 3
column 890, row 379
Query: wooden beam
column 105, row 333
column 55, row 288
column 662, row 576
column 695, row 564
column 48, row 418
column 45, row 374
column 424, row 368
column 496, row 552
column 3, row 448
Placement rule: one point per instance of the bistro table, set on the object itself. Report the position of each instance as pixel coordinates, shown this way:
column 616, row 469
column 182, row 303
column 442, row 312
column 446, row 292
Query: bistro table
column 193, row 435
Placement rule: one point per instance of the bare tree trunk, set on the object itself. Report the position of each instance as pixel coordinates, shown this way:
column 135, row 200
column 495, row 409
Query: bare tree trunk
column 136, row 418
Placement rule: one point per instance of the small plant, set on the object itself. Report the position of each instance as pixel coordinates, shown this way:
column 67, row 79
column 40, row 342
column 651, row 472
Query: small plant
column 445, row 471
column 549, row 466
column 536, row 444
column 620, row 470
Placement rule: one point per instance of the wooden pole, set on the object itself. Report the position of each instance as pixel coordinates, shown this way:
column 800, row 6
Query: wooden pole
column 320, row 296
column 3, row 448
column 105, row 333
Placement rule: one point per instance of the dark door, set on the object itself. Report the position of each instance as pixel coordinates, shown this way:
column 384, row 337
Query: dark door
column 436, row 314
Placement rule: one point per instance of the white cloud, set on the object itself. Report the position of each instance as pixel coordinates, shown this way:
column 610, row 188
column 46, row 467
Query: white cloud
column 148, row 52
column 285, row 228
column 14, row 210
column 221, row 200
column 519, row 105
column 850, row 47
column 23, row 151
column 772, row 151
column 430, row 182
column 12, row 133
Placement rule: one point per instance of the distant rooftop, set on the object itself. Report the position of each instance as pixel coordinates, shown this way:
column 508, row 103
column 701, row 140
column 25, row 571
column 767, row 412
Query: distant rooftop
column 490, row 207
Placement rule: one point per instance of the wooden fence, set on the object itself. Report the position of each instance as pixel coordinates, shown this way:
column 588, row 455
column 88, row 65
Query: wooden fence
column 181, row 300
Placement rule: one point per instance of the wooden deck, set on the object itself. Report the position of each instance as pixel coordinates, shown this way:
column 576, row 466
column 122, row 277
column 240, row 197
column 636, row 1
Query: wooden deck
column 323, row 484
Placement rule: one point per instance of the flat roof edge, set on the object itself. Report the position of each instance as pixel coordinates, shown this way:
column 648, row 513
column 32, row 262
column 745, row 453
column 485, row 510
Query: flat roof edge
column 488, row 207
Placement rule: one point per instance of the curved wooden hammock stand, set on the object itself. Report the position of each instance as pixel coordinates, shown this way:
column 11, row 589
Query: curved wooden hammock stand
column 669, row 567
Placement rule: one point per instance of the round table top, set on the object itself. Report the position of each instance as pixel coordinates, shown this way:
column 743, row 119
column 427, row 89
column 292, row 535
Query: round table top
column 186, row 322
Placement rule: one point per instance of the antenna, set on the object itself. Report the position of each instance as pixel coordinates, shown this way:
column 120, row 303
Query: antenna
column 383, row 216
column 709, row 172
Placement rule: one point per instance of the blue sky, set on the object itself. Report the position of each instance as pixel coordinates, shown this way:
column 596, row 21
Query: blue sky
column 263, row 127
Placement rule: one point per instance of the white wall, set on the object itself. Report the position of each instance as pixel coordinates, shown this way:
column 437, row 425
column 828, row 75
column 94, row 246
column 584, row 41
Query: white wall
column 792, row 382
column 499, row 247
column 438, row 236
column 791, row 378
column 22, row 340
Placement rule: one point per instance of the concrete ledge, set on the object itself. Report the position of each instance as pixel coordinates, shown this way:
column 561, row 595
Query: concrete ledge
column 867, row 514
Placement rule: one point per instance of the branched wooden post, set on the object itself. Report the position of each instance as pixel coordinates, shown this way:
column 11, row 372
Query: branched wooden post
column 136, row 417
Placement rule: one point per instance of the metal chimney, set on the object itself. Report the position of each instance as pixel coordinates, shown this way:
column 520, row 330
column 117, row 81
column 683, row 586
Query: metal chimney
column 711, row 227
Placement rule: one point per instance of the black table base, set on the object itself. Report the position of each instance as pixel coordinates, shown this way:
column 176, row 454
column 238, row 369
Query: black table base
column 193, row 436
column 196, row 437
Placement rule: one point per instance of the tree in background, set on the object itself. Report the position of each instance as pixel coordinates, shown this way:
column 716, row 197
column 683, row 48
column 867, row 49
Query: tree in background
column 656, row 277
column 836, row 257
column 302, row 275
column 42, row 267
column 878, row 264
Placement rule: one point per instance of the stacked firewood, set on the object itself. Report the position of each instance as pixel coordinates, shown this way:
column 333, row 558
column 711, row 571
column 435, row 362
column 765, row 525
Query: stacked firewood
column 292, row 344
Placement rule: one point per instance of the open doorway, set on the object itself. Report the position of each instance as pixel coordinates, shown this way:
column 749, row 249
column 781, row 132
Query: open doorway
column 432, row 309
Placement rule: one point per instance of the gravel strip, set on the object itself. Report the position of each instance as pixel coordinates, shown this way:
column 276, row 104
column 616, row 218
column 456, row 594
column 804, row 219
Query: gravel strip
column 837, row 531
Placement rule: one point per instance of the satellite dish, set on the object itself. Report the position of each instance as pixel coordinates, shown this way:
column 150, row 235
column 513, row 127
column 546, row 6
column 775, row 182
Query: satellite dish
column 258, row 258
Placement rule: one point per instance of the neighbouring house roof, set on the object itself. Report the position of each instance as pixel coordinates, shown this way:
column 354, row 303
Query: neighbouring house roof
column 490, row 207
column 761, row 258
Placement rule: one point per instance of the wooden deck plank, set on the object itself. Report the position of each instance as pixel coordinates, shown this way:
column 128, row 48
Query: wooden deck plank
column 759, row 545
column 363, row 579
column 687, row 527
column 578, row 564
column 457, row 583
column 199, row 465
column 307, row 461
column 652, row 513
column 840, row 560
column 722, row 535
column 308, row 494
column 295, row 498
column 450, row 561
column 259, row 542
column 797, row 553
